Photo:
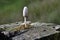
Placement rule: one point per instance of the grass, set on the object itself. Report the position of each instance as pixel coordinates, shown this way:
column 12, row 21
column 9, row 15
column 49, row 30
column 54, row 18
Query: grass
column 39, row 10
column 11, row 12
column 45, row 11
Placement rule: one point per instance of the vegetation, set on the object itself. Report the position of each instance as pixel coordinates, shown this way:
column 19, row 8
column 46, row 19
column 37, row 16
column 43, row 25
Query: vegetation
column 45, row 11
column 39, row 10
column 11, row 10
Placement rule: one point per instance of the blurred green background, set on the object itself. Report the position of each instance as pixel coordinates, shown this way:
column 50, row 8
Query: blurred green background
column 39, row 10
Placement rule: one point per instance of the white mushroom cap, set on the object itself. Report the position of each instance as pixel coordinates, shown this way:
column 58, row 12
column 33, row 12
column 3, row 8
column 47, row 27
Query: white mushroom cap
column 25, row 11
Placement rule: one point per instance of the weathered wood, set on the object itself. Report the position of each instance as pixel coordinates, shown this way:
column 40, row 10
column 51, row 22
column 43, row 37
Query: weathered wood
column 38, row 30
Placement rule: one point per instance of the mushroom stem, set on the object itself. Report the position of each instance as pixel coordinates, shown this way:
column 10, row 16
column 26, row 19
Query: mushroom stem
column 25, row 21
